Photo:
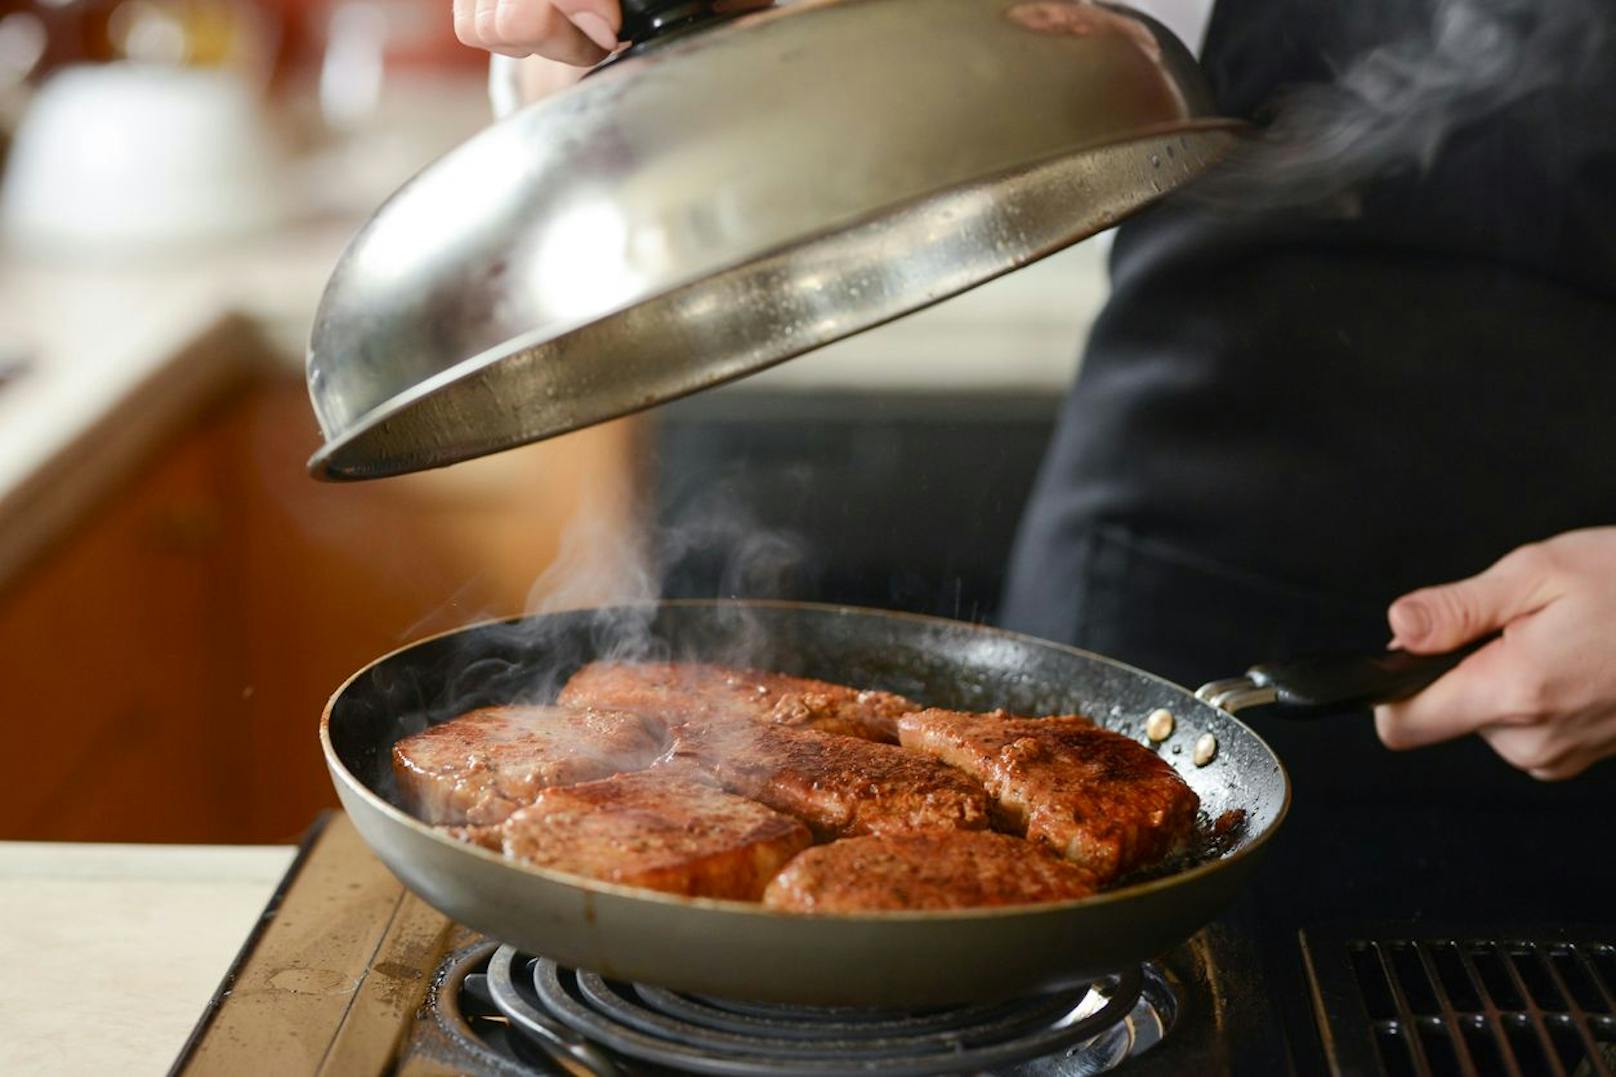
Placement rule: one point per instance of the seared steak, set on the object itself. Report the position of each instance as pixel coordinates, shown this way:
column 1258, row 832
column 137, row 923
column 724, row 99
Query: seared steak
column 1099, row 799
column 490, row 837
column 659, row 830
column 673, row 690
column 478, row 768
column 958, row 870
column 839, row 786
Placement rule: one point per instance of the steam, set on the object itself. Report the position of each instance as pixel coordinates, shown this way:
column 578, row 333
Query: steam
column 600, row 564
column 1393, row 109
column 596, row 601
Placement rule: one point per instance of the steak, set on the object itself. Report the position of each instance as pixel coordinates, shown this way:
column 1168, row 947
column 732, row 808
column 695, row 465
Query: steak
column 659, row 830
column 490, row 837
column 839, row 786
column 672, row 691
column 1098, row 798
column 478, row 768
column 960, row 870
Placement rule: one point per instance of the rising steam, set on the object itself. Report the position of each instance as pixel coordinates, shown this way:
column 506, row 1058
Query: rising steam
column 1392, row 109
column 596, row 601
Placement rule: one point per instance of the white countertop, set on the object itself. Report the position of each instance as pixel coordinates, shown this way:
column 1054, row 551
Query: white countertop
column 112, row 951
column 117, row 355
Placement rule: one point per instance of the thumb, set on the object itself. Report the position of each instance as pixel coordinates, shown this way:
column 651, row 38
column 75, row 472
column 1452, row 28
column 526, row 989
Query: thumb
column 601, row 20
column 1443, row 618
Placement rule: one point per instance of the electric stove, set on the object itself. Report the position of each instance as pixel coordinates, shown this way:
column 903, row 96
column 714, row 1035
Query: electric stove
column 349, row 973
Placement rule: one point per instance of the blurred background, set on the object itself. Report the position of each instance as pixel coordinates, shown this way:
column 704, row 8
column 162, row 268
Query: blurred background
column 178, row 598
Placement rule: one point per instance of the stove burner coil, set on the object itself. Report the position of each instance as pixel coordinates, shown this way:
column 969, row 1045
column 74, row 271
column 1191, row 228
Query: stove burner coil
column 573, row 1015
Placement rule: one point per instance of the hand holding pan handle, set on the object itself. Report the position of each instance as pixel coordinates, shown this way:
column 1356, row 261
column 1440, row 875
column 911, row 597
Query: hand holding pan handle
column 1326, row 684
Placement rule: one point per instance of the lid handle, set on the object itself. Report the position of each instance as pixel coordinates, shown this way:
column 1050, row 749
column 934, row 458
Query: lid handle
column 646, row 19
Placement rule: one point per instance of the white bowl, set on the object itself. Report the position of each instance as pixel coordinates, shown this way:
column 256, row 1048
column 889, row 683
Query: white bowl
column 128, row 156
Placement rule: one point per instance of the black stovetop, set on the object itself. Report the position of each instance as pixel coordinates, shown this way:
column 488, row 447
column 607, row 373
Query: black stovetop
column 1377, row 848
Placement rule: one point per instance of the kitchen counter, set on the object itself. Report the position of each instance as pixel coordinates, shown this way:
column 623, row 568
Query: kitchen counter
column 117, row 355
column 112, row 951
column 120, row 353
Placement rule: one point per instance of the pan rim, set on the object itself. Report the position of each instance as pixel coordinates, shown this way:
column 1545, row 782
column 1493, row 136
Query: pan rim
column 340, row 771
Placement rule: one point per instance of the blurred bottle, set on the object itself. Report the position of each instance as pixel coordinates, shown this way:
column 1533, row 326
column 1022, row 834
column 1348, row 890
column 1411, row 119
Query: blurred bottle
column 40, row 36
column 229, row 34
column 369, row 43
column 236, row 34
column 394, row 90
column 24, row 44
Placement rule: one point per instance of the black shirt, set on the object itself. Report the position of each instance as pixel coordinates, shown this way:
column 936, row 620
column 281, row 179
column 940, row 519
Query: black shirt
column 1323, row 411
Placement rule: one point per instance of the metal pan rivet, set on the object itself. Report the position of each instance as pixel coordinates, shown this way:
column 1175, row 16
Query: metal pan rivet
column 1159, row 726
column 1206, row 748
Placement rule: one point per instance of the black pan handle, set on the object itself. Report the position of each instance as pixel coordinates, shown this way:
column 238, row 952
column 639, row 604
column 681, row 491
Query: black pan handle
column 1328, row 684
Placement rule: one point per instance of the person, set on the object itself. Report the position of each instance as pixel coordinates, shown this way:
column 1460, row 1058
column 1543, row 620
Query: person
column 1293, row 428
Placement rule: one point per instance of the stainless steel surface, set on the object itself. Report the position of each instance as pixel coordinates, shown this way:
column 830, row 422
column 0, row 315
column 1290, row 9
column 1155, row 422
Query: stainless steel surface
column 1236, row 694
column 732, row 198
column 15, row 361
column 741, row 950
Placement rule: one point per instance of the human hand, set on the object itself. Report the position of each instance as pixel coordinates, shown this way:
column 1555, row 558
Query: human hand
column 577, row 32
column 1543, row 695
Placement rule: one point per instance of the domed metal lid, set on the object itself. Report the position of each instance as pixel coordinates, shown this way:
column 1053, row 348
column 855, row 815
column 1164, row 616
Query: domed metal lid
column 713, row 203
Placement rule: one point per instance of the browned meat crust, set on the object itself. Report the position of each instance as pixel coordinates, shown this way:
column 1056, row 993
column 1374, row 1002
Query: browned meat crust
column 839, row 786
column 1096, row 797
column 478, row 768
column 958, row 870
column 491, row 838
column 658, row 830
column 671, row 691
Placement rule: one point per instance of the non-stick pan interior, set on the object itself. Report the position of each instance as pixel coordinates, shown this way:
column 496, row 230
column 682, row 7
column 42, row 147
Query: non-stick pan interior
column 937, row 662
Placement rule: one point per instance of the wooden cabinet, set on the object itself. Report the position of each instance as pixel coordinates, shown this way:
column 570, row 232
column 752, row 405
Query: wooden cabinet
column 114, row 669
column 168, row 659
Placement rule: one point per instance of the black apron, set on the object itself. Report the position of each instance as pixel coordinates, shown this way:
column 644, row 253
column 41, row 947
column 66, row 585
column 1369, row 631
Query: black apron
column 1283, row 421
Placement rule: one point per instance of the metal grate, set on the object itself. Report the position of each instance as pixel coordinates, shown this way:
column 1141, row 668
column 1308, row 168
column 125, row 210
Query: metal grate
column 1405, row 1003
column 547, row 1017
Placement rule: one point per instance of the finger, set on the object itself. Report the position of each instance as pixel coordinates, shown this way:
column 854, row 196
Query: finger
column 1436, row 619
column 599, row 19
column 1564, row 771
column 464, row 26
column 537, row 26
column 482, row 22
column 1536, row 750
column 571, row 45
column 1460, row 702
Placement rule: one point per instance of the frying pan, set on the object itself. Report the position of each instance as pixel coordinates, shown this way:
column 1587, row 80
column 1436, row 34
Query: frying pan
column 741, row 950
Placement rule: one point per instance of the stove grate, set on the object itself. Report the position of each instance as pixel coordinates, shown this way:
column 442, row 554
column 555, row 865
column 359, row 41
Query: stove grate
column 584, row 1023
column 1455, row 1005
